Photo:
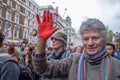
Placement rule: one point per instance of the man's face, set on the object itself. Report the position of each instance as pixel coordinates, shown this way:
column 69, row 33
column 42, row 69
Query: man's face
column 110, row 49
column 79, row 49
column 23, row 45
column 49, row 51
column 117, row 44
column 92, row 41
column 56, row 43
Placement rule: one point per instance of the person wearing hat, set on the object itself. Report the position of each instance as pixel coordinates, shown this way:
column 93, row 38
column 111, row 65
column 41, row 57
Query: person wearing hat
column 117, row 46
column 59, row 43
column 117, row 41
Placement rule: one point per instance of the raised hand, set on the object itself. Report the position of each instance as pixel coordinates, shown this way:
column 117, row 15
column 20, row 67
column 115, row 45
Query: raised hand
column 45, row 29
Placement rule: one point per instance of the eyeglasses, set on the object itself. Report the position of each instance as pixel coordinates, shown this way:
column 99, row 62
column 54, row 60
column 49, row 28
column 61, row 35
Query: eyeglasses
column 55, row 39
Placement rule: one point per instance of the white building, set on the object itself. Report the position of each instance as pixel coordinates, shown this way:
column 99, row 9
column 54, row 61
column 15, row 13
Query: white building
column 73, row 38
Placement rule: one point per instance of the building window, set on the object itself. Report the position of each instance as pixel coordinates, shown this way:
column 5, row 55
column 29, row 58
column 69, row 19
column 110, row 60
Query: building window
column 7, row 25
column 30, row 30
column 16, row 18
column 34, row 17
column 25, row 33
column 35, row 9
column 69, row 40
column 27, row 2
column 16, row 32
column 26, row 12
column 26, row 22
column 31, row 6
column 8, row 15
column 9, row 2
column 67, row 24
column 0, row 11
column 40, row 13
column 30, row 23
column 31, row 15
column 17, row 7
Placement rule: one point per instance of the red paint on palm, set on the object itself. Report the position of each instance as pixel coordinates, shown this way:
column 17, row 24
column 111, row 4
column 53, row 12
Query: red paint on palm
column 45, row 29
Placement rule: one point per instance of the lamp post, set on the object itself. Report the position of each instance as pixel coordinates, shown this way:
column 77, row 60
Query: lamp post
column 64, row 12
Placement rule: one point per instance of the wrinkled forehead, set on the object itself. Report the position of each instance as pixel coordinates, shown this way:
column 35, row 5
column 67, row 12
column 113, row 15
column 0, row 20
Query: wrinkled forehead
column 91, row 32
column 91, row 29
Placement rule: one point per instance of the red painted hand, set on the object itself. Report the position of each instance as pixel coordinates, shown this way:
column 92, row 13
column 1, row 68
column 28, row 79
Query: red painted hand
column 45, row 29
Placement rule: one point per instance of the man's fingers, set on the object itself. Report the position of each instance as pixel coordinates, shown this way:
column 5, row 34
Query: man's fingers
column 38, row 19
column 54, row 29
column 47, row 16
column 44, row 16
column 50, row 17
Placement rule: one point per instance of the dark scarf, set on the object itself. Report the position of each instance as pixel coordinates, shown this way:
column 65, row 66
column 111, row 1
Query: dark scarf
column 59, row 56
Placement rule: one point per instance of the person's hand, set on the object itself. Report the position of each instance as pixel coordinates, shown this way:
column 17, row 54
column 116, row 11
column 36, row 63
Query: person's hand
column 45, row 29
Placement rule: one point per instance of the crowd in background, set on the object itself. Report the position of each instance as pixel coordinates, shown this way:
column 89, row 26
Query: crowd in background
column 22, row 53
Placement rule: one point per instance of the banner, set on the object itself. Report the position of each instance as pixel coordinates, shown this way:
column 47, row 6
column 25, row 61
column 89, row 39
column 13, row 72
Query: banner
column 55, row 17
column 8, row 33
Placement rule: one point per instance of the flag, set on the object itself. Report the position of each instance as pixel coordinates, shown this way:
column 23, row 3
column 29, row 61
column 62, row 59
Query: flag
column 55, row 17
column 34, row 32
column 8, row 33
column 56, row 10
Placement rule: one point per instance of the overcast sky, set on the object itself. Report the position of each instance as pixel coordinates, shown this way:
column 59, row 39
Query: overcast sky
column 108, row 11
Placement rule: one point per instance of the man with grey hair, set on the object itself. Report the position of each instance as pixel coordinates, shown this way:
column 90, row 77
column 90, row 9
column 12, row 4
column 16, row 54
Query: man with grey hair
column 94, row 64
column 59, row 43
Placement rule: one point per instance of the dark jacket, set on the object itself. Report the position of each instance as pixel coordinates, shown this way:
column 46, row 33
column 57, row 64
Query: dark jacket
column 9, row 71
column 63, row 54
column 117, row 55
column 22, row 61
column 69, row 67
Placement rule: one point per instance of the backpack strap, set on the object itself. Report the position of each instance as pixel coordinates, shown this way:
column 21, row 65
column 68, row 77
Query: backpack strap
column 4, row 59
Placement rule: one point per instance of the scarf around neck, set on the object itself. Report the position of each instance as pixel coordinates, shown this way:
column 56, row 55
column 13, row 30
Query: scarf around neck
column 99, row 58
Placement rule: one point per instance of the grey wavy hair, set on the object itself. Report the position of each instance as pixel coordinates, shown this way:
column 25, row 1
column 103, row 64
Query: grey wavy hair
column 92, row 24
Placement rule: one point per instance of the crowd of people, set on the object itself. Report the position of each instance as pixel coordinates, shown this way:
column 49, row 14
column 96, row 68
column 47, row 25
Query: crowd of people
column 96, row 59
